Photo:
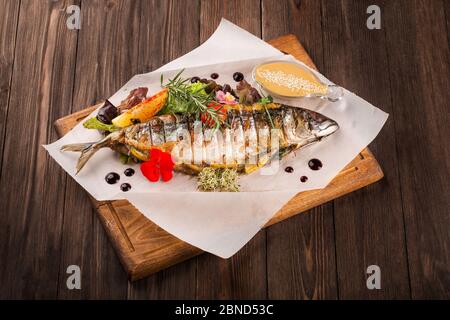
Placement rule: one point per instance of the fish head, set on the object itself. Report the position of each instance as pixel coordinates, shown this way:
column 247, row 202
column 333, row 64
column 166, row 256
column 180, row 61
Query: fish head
column 303, row 126
column 320, row 125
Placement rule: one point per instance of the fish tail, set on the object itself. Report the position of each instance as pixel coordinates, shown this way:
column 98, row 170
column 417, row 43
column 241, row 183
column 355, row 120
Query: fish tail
column 87, row 150
column 76, row 147
column 86, row 154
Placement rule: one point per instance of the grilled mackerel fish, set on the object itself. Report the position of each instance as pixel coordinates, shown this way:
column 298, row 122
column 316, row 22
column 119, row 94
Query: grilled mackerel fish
column 245, row 142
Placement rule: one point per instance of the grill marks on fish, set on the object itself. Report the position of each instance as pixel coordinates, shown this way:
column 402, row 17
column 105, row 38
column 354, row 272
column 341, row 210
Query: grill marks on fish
column 157, row 131
column 277, row 118
column 237, row 138
column 169, row 127
column 263, row 129
column 297, row 127
column 247, row 137
column 251, row 137
column 184, row 144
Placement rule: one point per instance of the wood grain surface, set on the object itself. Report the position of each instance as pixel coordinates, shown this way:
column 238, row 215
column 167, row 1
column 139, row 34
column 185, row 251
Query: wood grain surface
column 310, row 235
column 401, row 223
column 383, row 243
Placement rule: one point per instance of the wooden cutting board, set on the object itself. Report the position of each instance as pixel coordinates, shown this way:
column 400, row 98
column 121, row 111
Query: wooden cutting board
column 145, row 248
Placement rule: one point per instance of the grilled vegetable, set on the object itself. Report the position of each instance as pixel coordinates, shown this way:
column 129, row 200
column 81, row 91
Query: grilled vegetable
column 142, row 112
column 107, row 112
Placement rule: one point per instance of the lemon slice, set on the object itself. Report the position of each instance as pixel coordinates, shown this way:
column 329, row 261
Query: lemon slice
column 142, row 112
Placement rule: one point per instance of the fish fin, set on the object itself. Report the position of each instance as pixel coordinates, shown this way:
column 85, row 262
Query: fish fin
column 87, row 149
column 76, row 147
column 86, row 154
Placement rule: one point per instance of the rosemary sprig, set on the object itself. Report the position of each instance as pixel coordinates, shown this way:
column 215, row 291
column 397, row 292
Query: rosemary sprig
column 264, row 101
column 183, row 99
column 269, row 116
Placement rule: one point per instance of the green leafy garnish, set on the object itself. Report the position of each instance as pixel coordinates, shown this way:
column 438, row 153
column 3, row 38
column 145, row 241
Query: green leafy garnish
column 212, row 179
column 186, row 97
column 198, row 87
column 94, row 123
column 266, row 100
column 124, row 158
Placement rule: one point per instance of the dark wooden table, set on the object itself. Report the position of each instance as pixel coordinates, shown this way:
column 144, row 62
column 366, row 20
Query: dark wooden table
column 401, row 224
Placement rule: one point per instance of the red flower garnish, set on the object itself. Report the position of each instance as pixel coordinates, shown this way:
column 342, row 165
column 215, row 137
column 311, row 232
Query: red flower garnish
column 166, row 175
column 159, row 166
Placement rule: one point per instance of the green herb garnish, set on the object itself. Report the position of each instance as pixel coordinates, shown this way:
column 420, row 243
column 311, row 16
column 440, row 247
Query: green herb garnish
column 266, row 100
column 185, row 97
column 212, row 179
column 94, row 123
column 124, row 158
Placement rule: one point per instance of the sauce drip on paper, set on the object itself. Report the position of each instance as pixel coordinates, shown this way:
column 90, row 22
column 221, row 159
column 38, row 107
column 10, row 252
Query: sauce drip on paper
column 315, row 164
column 289, row 169
column 288, row 79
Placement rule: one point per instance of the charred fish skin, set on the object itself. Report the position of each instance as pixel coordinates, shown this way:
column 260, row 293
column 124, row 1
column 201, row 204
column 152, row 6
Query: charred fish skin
column 311, row 126
column 228, row 157
column 263, row 130
column 237, row 137
column 183, row 149
column 170, row 127
column 276, row 116
column 251, row 137
column 289, row 125
column 296, row 128
column 157, row 131
column 320, row 125
column 139, row 136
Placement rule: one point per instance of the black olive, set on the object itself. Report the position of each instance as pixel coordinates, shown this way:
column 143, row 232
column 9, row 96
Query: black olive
column 195, row 79
column 210, row 86
column 107, row 112
column 289, row 169
column 238, row 76
column 204, row 80
column 214, row 75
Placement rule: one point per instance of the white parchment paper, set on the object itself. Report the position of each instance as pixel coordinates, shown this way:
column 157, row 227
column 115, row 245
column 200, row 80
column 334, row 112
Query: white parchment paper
column 221, row 223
